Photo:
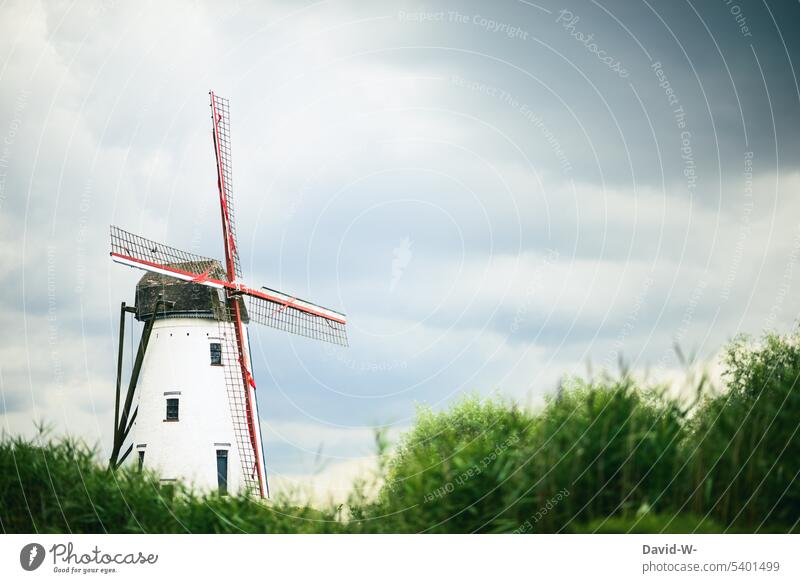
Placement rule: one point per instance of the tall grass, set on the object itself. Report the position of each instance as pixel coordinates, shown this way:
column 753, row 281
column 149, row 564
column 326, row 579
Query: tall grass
column 743, row 447
column 599, row 456
column 595, row 450
column 58, row 486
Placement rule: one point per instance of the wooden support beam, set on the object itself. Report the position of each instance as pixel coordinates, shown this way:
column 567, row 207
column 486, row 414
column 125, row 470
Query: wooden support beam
column 130, row 424
column 124, row 425
column 125, row 455
column 122, row 312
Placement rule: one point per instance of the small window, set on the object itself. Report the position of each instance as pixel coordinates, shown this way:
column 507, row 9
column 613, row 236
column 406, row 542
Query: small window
column 216, row 353
column 172, row 410
column 141, row 459
column 222, row 471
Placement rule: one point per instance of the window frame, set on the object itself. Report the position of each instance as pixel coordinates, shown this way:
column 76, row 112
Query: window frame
column 177, row 403
column 212, row 354
column 222, row 480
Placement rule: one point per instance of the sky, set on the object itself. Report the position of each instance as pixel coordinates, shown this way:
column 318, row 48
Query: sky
column 498, row 195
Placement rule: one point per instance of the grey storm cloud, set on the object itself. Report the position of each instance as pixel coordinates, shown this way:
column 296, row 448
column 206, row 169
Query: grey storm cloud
column 496, row 194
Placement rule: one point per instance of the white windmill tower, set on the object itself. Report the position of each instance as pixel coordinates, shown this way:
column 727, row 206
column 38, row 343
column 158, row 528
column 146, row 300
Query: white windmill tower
column 196, row 417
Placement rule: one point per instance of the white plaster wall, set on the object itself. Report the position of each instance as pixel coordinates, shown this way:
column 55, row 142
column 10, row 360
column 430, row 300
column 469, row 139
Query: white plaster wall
column 178, row 359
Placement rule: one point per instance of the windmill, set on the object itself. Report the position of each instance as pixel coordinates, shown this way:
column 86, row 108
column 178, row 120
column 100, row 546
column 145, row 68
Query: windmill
column 196, row 416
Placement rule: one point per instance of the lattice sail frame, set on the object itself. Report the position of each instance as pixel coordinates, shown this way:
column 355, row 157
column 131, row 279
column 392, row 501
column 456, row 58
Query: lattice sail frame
column 221, row 119
column 148, row 253
column 283, row 313
column 239, row 409
column 265, row 306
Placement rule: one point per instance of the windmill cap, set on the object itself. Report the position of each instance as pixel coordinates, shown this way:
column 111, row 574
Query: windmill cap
column 162, row 296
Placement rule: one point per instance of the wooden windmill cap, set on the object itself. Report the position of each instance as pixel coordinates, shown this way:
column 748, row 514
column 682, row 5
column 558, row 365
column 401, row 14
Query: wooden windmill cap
column 183, row 299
